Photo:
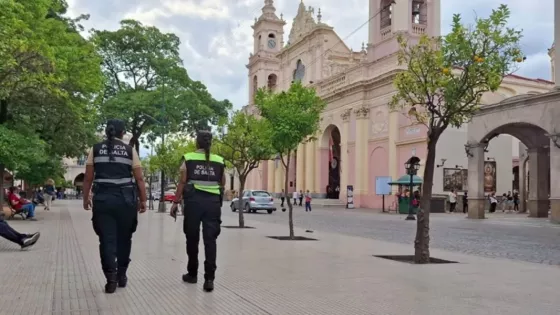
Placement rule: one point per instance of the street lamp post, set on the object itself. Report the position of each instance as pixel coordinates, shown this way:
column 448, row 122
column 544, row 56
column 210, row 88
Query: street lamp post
column 412, row 166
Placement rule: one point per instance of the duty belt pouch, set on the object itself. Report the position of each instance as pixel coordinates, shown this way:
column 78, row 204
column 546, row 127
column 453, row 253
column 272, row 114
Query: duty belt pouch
column 130, row 195
column 188, row 191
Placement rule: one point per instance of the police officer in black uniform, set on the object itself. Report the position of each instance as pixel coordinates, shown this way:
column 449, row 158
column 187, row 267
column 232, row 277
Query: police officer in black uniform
column 114, row 169
column 201, row 185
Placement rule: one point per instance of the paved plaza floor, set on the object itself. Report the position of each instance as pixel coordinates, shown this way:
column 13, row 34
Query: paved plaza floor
column 256, row 275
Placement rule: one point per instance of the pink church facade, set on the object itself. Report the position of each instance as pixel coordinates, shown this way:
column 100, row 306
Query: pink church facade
column 360, row 138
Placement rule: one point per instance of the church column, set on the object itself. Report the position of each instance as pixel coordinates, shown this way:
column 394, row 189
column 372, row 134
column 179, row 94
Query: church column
column 309, row 166
column 344, row 153
column 557, row 43
column 522, row 177
column 361, row 165
column 393, row 138
column 539, row 163
column 271, row 174
column 318, row 168
column 477, row 201
column 300, row 167
column 554, row 183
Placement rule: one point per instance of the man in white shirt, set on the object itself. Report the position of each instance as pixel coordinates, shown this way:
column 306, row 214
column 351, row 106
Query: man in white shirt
column 295, row 196
column 452, row 200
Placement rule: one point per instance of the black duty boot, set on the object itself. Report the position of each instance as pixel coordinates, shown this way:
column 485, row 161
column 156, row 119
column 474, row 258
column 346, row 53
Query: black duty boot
column 208, row 285
column 121, row 277
column 190, row 278
column 111, row 285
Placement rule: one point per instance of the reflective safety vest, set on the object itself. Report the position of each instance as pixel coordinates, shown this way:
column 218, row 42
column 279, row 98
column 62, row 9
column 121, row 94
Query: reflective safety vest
column 203, row 175
column 115, row 173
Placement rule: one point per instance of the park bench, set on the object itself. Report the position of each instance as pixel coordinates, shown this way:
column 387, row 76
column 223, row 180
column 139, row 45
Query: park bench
column 12, row 213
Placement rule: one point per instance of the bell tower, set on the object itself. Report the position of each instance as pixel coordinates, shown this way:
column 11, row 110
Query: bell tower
column 390, row 18
column 268, row 37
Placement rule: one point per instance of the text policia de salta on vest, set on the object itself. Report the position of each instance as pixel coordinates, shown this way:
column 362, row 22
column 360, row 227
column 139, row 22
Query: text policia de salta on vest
column 204, row 175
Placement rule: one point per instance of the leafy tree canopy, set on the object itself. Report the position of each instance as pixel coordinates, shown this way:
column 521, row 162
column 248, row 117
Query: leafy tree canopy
column 287, row 130
column 147, row 85
column 446, row 78
column 244, row 142
column 169, row 155
column 448, row 75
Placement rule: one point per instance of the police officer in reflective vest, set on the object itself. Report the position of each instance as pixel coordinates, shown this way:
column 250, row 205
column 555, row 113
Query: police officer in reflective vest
column 114, row 169
column 201, row 186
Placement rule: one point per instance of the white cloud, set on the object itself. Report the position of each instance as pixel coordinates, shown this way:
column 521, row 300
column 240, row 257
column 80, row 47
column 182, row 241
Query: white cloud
column 217, row 38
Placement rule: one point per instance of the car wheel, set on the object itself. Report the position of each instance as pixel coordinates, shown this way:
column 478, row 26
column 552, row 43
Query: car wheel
column 247, row 208
column 232, row 207
column 269, row 211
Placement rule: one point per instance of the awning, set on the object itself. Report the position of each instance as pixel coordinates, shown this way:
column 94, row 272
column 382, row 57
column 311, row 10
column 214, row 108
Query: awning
column 405, row 180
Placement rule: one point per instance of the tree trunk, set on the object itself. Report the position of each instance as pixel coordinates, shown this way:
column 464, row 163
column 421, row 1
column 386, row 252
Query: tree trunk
column 242, row 179
column 288, row 200
column 422, row 241
column 2, row 169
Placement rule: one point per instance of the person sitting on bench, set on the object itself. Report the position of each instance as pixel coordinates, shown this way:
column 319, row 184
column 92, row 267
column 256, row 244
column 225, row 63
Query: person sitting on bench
column 19, row 203
column 23, row 240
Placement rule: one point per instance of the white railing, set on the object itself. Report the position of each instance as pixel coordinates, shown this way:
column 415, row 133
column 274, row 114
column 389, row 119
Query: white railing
column 418, row 29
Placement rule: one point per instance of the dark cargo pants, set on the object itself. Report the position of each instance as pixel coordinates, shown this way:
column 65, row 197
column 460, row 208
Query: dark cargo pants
column 202, row 208
column 115, row 218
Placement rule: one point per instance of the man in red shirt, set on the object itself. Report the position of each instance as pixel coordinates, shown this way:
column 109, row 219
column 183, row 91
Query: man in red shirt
column 19, row 203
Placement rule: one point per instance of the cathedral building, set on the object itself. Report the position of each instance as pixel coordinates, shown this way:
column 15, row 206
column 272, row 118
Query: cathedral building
column 360, row 139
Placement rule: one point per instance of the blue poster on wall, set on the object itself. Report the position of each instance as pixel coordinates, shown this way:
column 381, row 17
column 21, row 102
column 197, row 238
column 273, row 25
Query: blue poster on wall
column 382, row 186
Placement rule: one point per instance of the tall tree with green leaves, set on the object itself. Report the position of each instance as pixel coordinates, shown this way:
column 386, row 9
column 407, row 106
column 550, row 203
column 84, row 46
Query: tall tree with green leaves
column 446, row 77
column 147, row 85
column 169, row 155
column 48, row 76
column 287, row 130
column 244, row 143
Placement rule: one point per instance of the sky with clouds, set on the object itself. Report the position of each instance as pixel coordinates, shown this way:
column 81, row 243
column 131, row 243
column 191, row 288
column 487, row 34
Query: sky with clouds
column 216, row 35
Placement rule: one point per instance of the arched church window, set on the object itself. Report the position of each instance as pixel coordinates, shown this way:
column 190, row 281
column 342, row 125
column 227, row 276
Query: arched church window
column 419, row 14
column 386, row 13
column 255, row 86
column 299, row 72
column 271, row 35
column 272, row 80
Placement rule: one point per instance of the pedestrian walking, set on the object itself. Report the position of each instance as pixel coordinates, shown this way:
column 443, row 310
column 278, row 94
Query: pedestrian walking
column 493, row 202
column 307, row 201
column 465, row 202
column 49, row 194
column 114, row 169
column 452, row 201
column 295, row 197
column 201, row 188
column 516, row 201
column 300, row 196
column 282, row 198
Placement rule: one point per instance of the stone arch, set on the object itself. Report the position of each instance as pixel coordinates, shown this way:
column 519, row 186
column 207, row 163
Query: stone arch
column 255, row 86
column 532, row 136
column 386, row 14
column 378, row 162
column 272, row 81
column 299, row 71
column 330, row 156
column 419, row 12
